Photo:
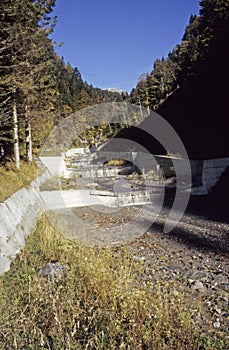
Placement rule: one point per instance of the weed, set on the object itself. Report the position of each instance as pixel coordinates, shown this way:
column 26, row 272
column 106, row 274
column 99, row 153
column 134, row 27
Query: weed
column 12, row 179
column 100, row 303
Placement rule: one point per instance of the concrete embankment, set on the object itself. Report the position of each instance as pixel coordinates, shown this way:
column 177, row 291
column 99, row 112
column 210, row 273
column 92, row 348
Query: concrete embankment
column 18, row 216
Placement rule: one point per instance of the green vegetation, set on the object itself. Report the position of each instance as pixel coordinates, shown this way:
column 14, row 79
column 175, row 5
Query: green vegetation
column 56, row 183
column 202, row 53
column 12, row 179
column 100, row 302
column 117, row 162
column 37, row 88
column 51, row 184
column 188, row 88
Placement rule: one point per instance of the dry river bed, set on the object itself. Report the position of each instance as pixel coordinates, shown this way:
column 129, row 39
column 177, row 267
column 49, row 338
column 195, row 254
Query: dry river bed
column 194, row 256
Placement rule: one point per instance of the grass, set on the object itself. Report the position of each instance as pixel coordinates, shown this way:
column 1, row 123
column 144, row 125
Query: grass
column 100, row 303
column 56, row 183
column 51, row 184
column 117, row 162
column 12, row 179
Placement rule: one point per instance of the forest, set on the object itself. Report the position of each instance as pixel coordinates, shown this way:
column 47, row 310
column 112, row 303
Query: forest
column 38, row 89
column 203, row 49
column 189, row 88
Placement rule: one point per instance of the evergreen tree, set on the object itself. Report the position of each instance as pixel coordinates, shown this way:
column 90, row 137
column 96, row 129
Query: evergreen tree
column 37, row 88
column 24, row 55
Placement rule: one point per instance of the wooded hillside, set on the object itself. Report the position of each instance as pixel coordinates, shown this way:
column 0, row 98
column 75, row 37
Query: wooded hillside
column 190, row 87
column 37, row 88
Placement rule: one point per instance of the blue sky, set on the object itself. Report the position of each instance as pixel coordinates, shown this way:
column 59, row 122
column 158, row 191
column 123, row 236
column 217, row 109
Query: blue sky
column 113, row 42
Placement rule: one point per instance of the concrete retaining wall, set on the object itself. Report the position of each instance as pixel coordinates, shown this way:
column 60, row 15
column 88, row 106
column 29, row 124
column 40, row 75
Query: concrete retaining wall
column 93, row 171
column 55, row 165
column 123, row 199
column 205, row 173
column 213, row 169
column 18, row 217
column 161, row 165
column 166, row 163
column 138, row 198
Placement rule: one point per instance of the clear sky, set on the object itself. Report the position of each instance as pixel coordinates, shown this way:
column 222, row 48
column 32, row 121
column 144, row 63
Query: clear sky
column 113, row 42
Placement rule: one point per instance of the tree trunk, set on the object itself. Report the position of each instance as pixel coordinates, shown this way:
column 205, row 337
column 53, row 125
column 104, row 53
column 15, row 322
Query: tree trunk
column 110, row 128
column 16, row 141
column 2, row 153
column 162, row 86
column 140, row 106
column 147, row 102
column 28, row 141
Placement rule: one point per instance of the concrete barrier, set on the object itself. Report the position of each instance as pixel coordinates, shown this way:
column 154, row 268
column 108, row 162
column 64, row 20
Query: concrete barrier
column 18, row 216
column 95, row 171
column 213, row 169
column 55, row 165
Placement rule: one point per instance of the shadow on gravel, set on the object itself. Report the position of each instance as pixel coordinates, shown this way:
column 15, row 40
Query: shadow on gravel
column 194, row 240
column 214, row 206
column 207, row 213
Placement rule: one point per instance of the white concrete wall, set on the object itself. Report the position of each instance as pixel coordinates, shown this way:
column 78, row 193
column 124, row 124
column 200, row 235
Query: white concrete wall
column 55, row 165
column 18, row 217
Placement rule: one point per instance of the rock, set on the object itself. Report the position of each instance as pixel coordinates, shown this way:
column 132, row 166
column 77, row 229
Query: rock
column 175, row 292
column 51, row 271
column 174, row 269
column 217, row 272
column 216, row 324
column 198, row 285
column 161, row 258
column 218, row 310
column 138, row 258
column 196, row 275
column 170, row 181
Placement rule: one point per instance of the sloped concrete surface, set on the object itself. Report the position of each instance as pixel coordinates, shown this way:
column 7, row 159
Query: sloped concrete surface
column 18, row 217
column 73, row 198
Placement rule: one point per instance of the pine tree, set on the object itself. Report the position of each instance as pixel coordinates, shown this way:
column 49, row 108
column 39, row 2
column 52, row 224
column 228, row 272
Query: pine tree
column 25, row 57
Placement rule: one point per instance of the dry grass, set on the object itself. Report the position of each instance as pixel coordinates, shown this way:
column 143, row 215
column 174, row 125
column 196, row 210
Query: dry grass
column 116, row 162
column 12, row 179
column 100, row 303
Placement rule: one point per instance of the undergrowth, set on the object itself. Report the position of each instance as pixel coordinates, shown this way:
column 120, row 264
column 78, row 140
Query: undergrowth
column 117, row 162
column 100, row 302
column 12, row 179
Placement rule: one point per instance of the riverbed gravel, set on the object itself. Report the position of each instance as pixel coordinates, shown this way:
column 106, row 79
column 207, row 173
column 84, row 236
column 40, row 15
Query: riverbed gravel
column 194, row 256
